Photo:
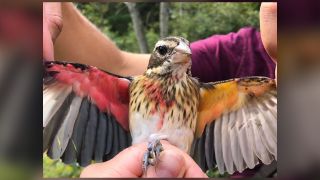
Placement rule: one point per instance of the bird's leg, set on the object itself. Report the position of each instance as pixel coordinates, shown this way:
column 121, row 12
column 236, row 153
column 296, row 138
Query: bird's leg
column 151, row 156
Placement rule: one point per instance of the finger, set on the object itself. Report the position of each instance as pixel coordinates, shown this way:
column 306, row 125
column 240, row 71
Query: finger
column 192, row 169
column 52, row 15
column 52, row 25
column 128, row 163
column 47, row 44
column 171, row 164
column 52, row 8
column 268, row 28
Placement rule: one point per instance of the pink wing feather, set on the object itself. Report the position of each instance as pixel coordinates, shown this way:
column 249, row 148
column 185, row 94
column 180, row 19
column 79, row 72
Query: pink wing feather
column 108, row 92
column 85, row 113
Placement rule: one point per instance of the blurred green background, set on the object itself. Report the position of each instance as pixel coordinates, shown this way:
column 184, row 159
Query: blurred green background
column 191, row 20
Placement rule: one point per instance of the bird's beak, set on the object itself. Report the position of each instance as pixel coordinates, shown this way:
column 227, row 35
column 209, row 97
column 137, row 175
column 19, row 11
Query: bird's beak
column 183, row 48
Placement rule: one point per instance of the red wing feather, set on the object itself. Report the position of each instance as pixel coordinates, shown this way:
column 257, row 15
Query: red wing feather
column 108, row 92
column 85, row 113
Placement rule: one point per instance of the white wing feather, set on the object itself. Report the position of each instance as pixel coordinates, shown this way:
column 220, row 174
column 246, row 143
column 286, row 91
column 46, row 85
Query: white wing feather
column 248, row 135
column 218, row 146
column 62, row 138
column 52, row 100
column 226, row 144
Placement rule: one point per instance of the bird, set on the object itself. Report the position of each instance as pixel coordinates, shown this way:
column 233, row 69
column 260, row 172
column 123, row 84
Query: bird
column 89, row 115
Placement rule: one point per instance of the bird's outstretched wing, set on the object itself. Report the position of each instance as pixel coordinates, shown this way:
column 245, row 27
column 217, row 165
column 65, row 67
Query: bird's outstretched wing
column 237, row 124
column 85, row 113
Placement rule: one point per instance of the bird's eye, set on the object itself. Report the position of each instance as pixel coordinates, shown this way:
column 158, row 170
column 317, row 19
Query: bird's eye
column 162, row 50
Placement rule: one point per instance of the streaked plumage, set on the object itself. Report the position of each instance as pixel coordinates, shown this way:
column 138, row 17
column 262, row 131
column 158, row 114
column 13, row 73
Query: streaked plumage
column 161, row 100
column 88, row 113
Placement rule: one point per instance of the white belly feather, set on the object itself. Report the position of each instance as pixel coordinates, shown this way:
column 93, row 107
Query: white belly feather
column 141, row 129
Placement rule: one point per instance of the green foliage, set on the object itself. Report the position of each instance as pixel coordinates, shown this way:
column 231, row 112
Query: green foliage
column 199, row 20
column 214, row 173
column 57, row 169
column 191, row 20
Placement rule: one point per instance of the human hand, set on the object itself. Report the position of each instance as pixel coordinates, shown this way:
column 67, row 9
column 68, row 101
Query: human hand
column 268, row 28
column 52, row 26
column 128, row 163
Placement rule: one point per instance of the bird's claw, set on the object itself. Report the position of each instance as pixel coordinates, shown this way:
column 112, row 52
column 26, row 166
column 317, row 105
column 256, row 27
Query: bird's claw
column 151, row 156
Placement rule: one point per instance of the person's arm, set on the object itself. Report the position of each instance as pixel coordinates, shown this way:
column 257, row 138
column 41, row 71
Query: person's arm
column 80, row 41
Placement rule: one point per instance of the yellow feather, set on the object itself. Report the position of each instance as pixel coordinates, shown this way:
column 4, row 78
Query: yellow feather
column 223, row 97
column 214, row 102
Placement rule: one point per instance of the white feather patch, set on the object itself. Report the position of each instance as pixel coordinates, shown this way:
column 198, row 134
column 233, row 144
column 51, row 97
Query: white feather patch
column 52, row 101
column 247, row 135
column 226, row 144
column 235, row 146
column 218, row 145
column 64, row 134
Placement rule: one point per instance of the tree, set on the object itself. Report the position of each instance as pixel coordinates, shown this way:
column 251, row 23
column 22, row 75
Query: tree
column 196, row 21
column 164, row 19
column 138, row 27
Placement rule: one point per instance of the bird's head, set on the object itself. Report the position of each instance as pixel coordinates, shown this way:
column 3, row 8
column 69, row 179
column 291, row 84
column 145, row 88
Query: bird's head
column 170, row 54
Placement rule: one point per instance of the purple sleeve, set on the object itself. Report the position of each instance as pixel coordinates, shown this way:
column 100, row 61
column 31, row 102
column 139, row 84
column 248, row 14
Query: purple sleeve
column 239, row 54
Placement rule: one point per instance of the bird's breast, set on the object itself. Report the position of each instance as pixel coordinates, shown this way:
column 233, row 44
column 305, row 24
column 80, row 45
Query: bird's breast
column 163, row 103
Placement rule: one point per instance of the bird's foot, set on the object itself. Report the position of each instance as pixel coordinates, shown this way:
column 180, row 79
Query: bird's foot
column 151, row 156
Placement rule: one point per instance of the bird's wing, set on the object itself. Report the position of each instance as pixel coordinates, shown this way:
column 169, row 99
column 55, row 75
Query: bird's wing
column 85, row 113
column 237, row 124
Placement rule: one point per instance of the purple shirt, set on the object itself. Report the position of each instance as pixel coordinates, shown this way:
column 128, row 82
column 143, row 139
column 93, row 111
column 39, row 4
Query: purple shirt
column 222, row 57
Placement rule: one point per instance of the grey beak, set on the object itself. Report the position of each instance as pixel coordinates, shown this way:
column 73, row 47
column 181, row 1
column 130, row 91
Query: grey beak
column 183, row 48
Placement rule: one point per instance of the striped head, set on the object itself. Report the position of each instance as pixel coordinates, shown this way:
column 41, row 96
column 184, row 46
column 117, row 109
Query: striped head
column 169, row 54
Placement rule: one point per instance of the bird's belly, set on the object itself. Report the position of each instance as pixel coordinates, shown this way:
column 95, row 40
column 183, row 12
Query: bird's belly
column 142, row 127
column 179, row 134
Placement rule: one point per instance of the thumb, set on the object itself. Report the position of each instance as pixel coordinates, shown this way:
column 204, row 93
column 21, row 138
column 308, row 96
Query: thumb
column 47, row 43
column 268, row 27
column 170, row 165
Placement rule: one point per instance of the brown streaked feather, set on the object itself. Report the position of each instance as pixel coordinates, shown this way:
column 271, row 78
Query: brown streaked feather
column 220, row 97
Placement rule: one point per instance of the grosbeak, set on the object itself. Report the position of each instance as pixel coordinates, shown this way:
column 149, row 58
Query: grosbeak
column 90, row 114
